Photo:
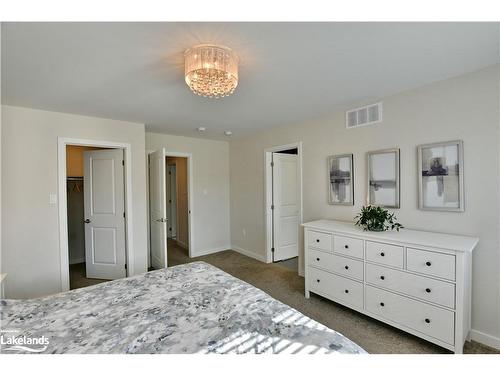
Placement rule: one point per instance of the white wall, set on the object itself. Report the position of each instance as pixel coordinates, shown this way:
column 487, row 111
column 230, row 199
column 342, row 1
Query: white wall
column 210, row 211
column 30, row 241
column 465, row 107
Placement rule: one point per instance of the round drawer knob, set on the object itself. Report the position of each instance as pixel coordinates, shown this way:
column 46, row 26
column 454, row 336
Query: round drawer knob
column 317, row 239
column 428, row 290
column 317, row 259
column 382, row 277
column 382, row 304
column 347, row 291
column 346, row 246
column 346, row 267
column 382, row 254
column 428, row 264
column 427, row 320
column 317, row 280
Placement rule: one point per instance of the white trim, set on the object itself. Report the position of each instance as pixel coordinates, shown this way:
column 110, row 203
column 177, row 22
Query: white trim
column 62, row 142
column 250, row 254
column 485, row 339
column 212, row 251
column 189, row 157
column 268, row 195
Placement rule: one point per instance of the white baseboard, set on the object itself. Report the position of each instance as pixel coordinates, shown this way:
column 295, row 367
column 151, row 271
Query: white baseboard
column 210, row 251
column 484, row 338
column 77, row 260
column 250, row 254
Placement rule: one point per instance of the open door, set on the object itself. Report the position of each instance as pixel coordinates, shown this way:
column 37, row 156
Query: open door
column 104, row 193
column 158, row 208
column 286, row 206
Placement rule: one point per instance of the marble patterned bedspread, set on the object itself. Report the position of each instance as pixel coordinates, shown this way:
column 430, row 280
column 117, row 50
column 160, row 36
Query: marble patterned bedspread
column 192, row 308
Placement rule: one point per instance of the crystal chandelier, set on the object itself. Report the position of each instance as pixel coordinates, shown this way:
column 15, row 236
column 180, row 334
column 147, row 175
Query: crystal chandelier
column 211, row 71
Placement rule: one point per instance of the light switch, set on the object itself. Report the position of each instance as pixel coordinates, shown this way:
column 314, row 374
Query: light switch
column 52, row 199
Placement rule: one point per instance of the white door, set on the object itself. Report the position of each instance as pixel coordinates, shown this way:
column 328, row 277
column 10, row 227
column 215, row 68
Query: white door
column 104, row 194
column 158, row 208
column 172, row 201
column 286, row 206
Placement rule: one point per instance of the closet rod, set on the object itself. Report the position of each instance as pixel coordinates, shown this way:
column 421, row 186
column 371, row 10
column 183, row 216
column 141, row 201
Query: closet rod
column 74, row 178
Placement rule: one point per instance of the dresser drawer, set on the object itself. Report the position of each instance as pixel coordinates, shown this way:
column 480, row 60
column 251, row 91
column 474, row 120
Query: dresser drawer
column 422, row 287
column 430, row 263
column 320, row 240
column 348, row 246
column 382, row 253
column 335, row 287
column 335, row 263
column 430, row 320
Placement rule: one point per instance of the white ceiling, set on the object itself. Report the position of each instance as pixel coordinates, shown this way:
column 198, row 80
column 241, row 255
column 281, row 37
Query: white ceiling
column 289, row 72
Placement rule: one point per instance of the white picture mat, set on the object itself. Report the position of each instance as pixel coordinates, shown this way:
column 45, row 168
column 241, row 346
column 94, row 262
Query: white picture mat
column 441, row 191
column 383, row 167
column 383, row 178
column 341, row 191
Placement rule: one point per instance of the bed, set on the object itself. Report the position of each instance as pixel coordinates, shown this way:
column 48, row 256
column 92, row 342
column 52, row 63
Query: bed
column 191, row 308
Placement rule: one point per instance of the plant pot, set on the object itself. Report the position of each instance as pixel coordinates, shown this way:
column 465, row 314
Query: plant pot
column 376, row 229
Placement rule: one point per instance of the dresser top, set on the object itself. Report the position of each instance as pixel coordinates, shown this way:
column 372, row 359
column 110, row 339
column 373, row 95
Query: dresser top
column 407, row 236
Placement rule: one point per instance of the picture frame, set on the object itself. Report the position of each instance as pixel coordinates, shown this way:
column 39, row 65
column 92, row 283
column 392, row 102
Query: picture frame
column 441, row 176
column 341, row 179
column 383, row 178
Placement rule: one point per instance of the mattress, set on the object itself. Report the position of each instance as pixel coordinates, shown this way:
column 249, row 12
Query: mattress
column 191, row 308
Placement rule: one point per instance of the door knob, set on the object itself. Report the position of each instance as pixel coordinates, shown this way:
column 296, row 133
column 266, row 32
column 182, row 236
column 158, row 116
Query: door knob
column 86, row 221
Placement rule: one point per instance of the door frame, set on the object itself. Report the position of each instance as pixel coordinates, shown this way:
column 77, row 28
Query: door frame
column 170, row 204
column 189, row 157
column 62, row 142
column 268, row 185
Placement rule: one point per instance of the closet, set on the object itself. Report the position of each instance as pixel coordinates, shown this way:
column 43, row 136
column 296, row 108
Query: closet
column 76, row 229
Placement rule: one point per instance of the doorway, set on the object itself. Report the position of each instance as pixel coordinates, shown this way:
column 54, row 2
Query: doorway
column 95, row 214
column 177, row 207
column 177, row 200
column 170, row 205
column 283, row 175
column 104, row 185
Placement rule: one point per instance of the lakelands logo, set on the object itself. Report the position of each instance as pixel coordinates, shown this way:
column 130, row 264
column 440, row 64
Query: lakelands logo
column 11, row 341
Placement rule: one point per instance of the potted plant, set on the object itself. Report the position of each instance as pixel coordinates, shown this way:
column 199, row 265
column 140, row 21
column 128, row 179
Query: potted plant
column 377, row 219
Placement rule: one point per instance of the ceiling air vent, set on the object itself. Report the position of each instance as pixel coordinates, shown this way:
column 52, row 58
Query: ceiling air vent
column 362, row 116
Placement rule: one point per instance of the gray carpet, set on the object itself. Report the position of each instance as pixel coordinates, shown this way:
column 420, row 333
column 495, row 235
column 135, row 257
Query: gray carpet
column 286, row 286
column 78, row 279
column 292, row 264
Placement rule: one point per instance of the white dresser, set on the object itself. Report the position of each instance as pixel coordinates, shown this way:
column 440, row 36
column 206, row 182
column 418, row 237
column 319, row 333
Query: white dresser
column 417, row 281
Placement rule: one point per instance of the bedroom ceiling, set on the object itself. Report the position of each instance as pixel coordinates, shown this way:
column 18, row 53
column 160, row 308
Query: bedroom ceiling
column 289, row 72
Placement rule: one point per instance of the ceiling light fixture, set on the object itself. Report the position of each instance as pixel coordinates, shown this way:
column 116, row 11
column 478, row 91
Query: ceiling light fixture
column 228, row 132
column 201, row 129
column 210, row 70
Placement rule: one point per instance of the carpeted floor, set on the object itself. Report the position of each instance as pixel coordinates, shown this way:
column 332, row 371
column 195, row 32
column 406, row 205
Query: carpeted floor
column 77, row 277
column 286, row 286
column 292, row 264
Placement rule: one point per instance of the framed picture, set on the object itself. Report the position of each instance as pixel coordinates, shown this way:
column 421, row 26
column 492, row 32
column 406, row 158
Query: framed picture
column 341, row 179
column 383, row 178
column 441, row 176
